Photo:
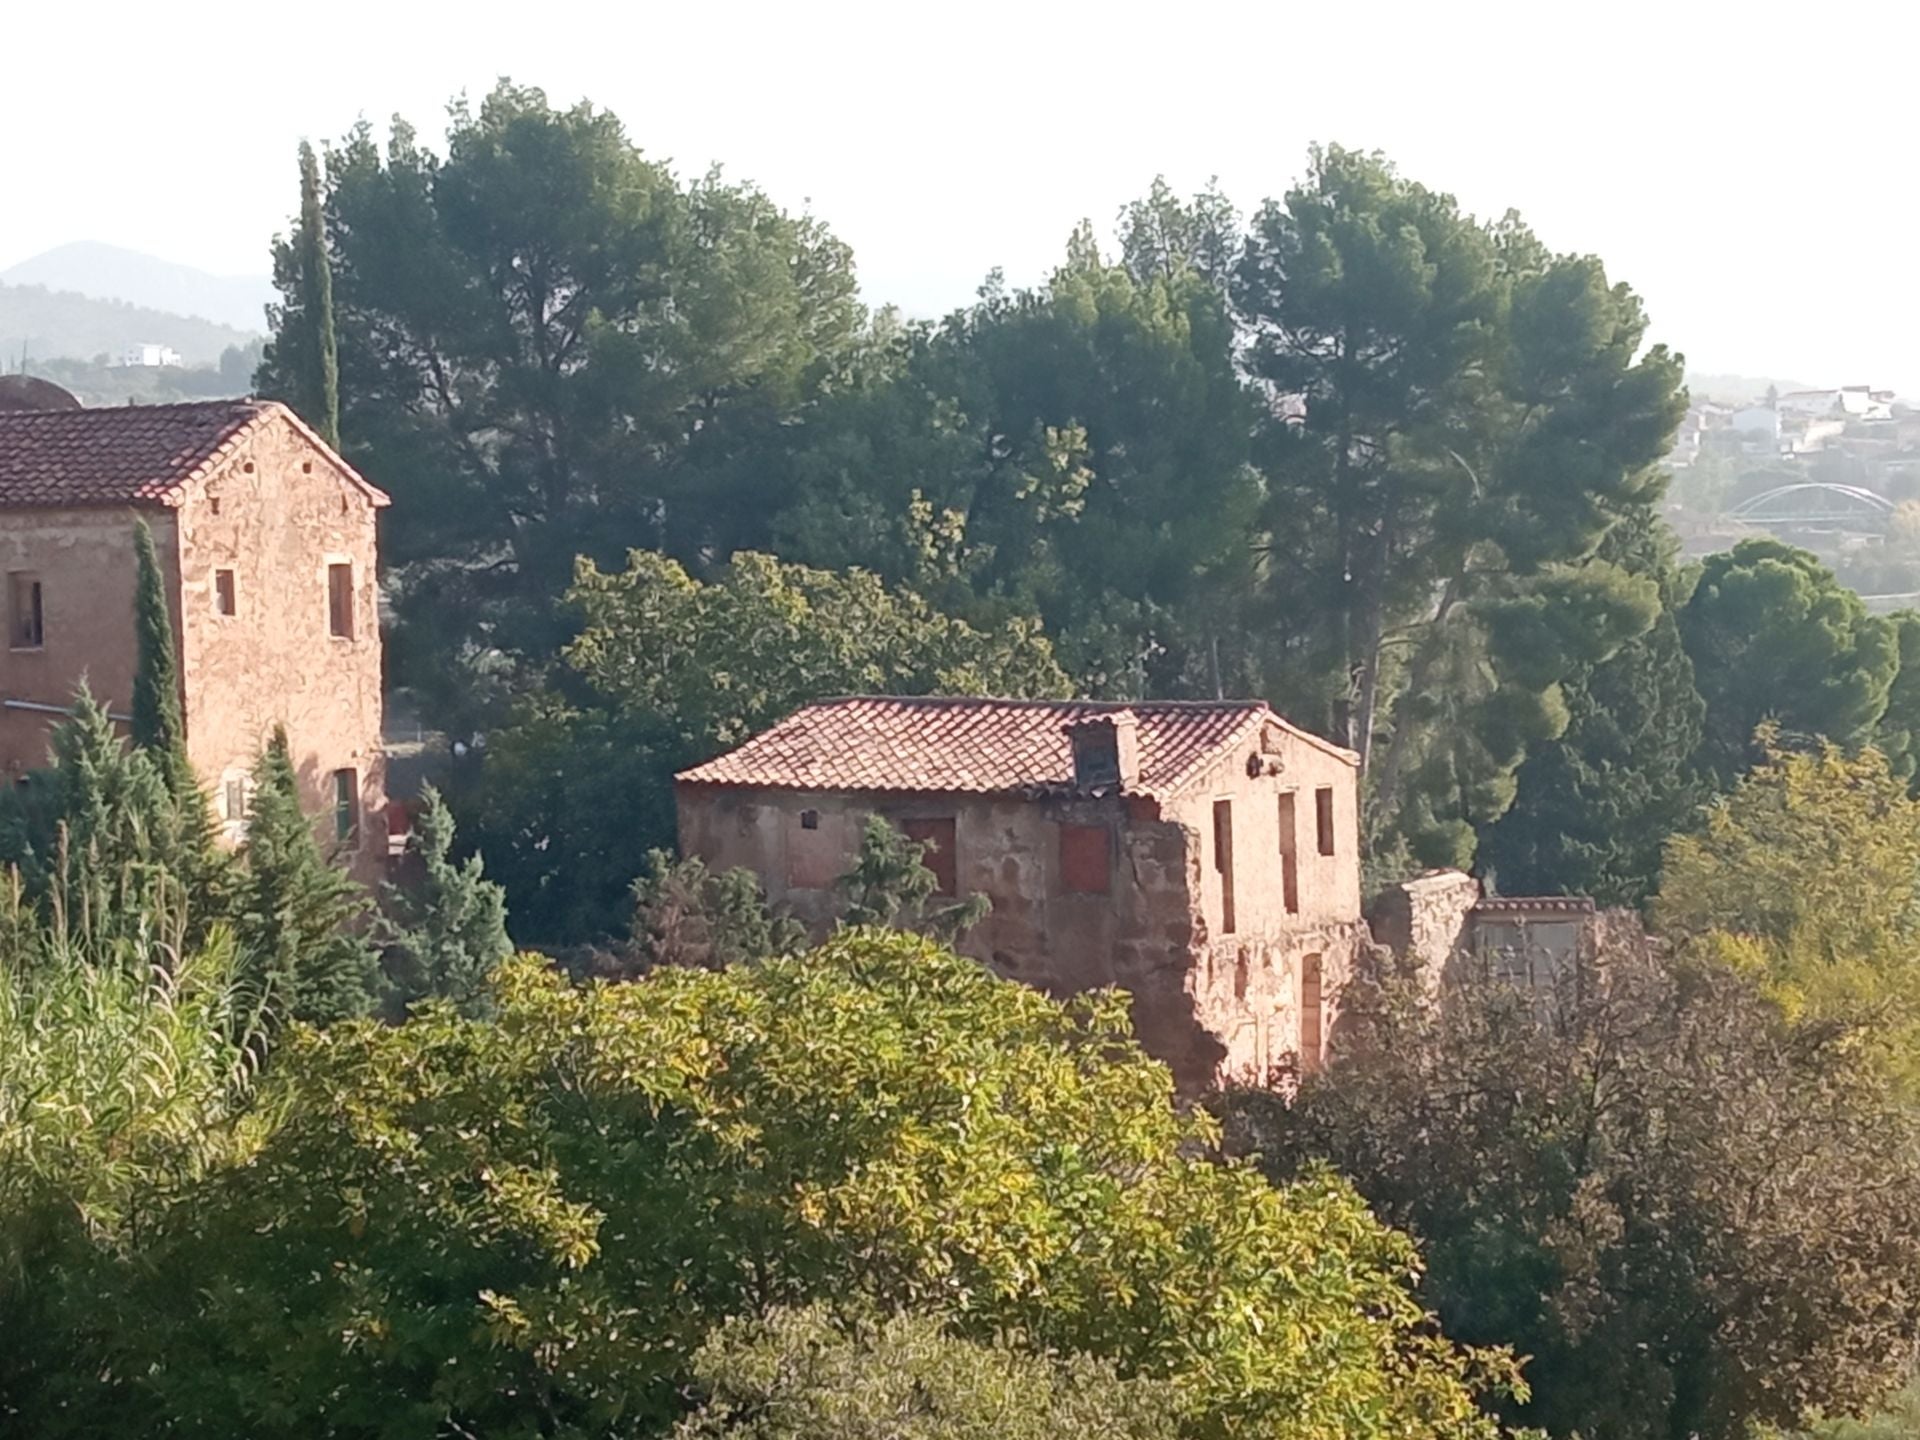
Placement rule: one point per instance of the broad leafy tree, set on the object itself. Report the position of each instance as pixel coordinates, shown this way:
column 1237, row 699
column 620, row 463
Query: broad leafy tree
column 532, row 1225
column 669, row 670
column 803, row 1375
column 1695, row 1216
column 1809, row 874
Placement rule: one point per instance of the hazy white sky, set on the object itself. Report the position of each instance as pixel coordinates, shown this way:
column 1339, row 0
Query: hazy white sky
column 1748, row 168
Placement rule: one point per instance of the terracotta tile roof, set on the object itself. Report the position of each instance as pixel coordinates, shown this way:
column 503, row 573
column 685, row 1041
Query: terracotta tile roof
column 1534, row 905
column 872, row 742
column 130, row 454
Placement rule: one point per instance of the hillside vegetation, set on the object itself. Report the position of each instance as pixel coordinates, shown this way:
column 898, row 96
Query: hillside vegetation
column 45, row 324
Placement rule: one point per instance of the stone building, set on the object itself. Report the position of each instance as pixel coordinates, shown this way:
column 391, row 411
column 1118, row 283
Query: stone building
column 1447, row 929
column 266, row 538
column 1203, row 856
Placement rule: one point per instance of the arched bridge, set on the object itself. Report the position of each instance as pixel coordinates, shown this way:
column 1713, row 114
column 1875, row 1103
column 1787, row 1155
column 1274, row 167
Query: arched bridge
column 1815, row 502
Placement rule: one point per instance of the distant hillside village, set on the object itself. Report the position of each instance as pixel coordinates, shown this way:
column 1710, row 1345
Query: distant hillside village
column 1835, row 470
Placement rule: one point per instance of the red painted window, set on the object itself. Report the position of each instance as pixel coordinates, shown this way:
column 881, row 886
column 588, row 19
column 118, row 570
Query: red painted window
column 1086, row 860
column 937, row 836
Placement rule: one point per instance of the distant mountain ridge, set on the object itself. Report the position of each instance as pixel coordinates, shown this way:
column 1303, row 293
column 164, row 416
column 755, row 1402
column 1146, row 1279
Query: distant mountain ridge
column 109, row 272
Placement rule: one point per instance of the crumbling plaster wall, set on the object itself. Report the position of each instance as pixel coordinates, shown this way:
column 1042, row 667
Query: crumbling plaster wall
column 1251, row 987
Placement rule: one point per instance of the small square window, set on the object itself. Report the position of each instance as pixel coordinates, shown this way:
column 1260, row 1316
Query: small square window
column 26, row 619
column 340, row 601
column 809, row 819
column 225, row 601
column 346, row 808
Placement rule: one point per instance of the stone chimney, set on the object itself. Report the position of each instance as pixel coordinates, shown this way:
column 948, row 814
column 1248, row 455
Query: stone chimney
column 1106, row 750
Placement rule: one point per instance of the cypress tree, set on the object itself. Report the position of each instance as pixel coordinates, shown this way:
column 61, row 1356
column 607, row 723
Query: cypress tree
column 159, row 728
column 301, row 922
column 322, row 402
column 157, row 725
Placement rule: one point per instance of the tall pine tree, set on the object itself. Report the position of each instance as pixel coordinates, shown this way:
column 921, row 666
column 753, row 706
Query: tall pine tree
column 1595, row 806
column 301, row 922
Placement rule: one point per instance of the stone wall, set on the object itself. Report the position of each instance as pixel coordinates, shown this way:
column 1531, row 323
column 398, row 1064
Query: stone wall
column 1213, row 1003
column 1425, row 921
column 278, row 513
column 1253, row 986
column 84, row 561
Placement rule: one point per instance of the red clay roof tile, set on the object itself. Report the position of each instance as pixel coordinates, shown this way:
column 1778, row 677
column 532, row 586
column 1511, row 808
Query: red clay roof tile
column 129, row 454
column 972, row 746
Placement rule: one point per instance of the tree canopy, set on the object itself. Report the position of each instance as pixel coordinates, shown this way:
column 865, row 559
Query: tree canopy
column 532, row 1225
column 1773, row 637
column 551, row 346
column 669, row 670
column 1695, row 1216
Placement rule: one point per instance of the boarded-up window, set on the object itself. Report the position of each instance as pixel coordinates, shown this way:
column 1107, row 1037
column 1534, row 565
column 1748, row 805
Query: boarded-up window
column 937, row 836
column 1223, row 860
column 1323, row 817
column 225, row 598
column 25, row 621
column 235, row 792
column 1086, row 859
column 340, row 601
column 1312, row 1014
column 346, row 808
column 1289, row 854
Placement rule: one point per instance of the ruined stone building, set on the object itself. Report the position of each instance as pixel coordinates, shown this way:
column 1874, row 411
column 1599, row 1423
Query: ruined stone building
column 266, row 541
column 1202, row 856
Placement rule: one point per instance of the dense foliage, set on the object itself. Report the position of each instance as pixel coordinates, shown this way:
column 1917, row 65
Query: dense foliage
column 1593, row 808
column 1808, row 874
column 802, row 1375
column 1774, row 637
column 1694, row 1215
column 531, row 1225
column 667, row 670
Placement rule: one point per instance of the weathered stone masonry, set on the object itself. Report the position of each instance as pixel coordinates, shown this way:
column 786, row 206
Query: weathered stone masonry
column 266, row 540
column 1203, row 857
